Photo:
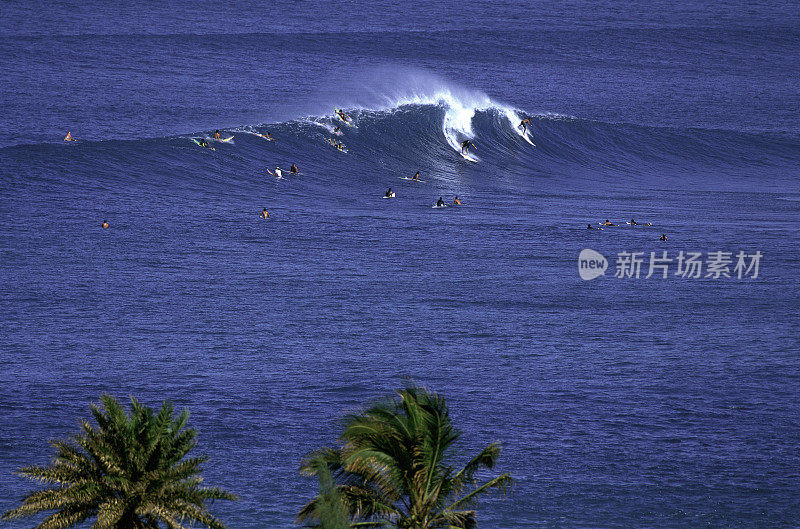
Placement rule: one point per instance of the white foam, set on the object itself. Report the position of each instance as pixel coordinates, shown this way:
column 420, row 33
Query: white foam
column 401, row 86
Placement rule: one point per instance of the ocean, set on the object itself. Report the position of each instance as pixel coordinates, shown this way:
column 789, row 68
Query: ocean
column 620, row 401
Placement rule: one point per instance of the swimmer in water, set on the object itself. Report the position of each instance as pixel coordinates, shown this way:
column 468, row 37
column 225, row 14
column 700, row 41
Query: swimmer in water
column 105, row 224
column 216, row 134
column 264, row 214
column 634, row 223
column 69, row 137
column 456, row 202
column 607, row 223
column 589, row 227
column 389, row 193
column 663, row 237
column 293, row 169
column 440, row 202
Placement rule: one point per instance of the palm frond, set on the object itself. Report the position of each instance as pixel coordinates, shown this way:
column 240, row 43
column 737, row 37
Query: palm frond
column 501, row 483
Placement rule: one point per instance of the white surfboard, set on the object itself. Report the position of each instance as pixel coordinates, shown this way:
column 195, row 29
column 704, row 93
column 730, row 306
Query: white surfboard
column 527, row 138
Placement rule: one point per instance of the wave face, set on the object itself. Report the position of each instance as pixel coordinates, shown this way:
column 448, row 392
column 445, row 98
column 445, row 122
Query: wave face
column 401, row 133
column 419, row 129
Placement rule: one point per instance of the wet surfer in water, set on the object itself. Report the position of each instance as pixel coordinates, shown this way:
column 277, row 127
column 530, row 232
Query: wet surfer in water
column 440, row 202
column 69, row 137
column 456, row 202
column 524, row 125
column 416, row 176
column 216, row 134
column 264, row 214
column 293, row 169
column 466, row 145
column 344, row 117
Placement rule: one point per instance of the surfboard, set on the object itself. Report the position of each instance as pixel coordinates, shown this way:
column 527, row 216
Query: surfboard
column 527, row 138
column 225, row 140
column 201, row 145
column 468, row 157
column 390, row 196
column 439, row 207
column 410, row 179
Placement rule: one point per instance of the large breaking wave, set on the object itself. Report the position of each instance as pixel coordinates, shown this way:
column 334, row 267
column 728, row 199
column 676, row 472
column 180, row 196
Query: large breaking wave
column 420, row 126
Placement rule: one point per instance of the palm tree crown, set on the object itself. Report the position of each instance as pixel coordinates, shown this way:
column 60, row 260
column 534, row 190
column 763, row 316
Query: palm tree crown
column 130, row 473
column 392, row 469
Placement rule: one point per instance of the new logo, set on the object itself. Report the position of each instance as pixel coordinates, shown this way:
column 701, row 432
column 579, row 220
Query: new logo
column 591, row 264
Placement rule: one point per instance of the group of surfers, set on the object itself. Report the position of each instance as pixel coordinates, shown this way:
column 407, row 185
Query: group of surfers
column 465, row 147
column 632, row 223
column 439, row 203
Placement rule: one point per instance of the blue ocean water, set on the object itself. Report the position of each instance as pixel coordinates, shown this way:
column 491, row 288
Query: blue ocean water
column 620, row 402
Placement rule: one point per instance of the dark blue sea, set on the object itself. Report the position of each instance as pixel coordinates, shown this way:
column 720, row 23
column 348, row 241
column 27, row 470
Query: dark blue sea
column 620, row 401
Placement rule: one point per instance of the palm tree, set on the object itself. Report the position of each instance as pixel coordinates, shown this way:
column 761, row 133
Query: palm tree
column 393, row 469
column 130, row 473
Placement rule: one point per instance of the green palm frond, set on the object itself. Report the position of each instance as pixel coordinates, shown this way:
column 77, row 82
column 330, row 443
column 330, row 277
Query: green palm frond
column 501, row 483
